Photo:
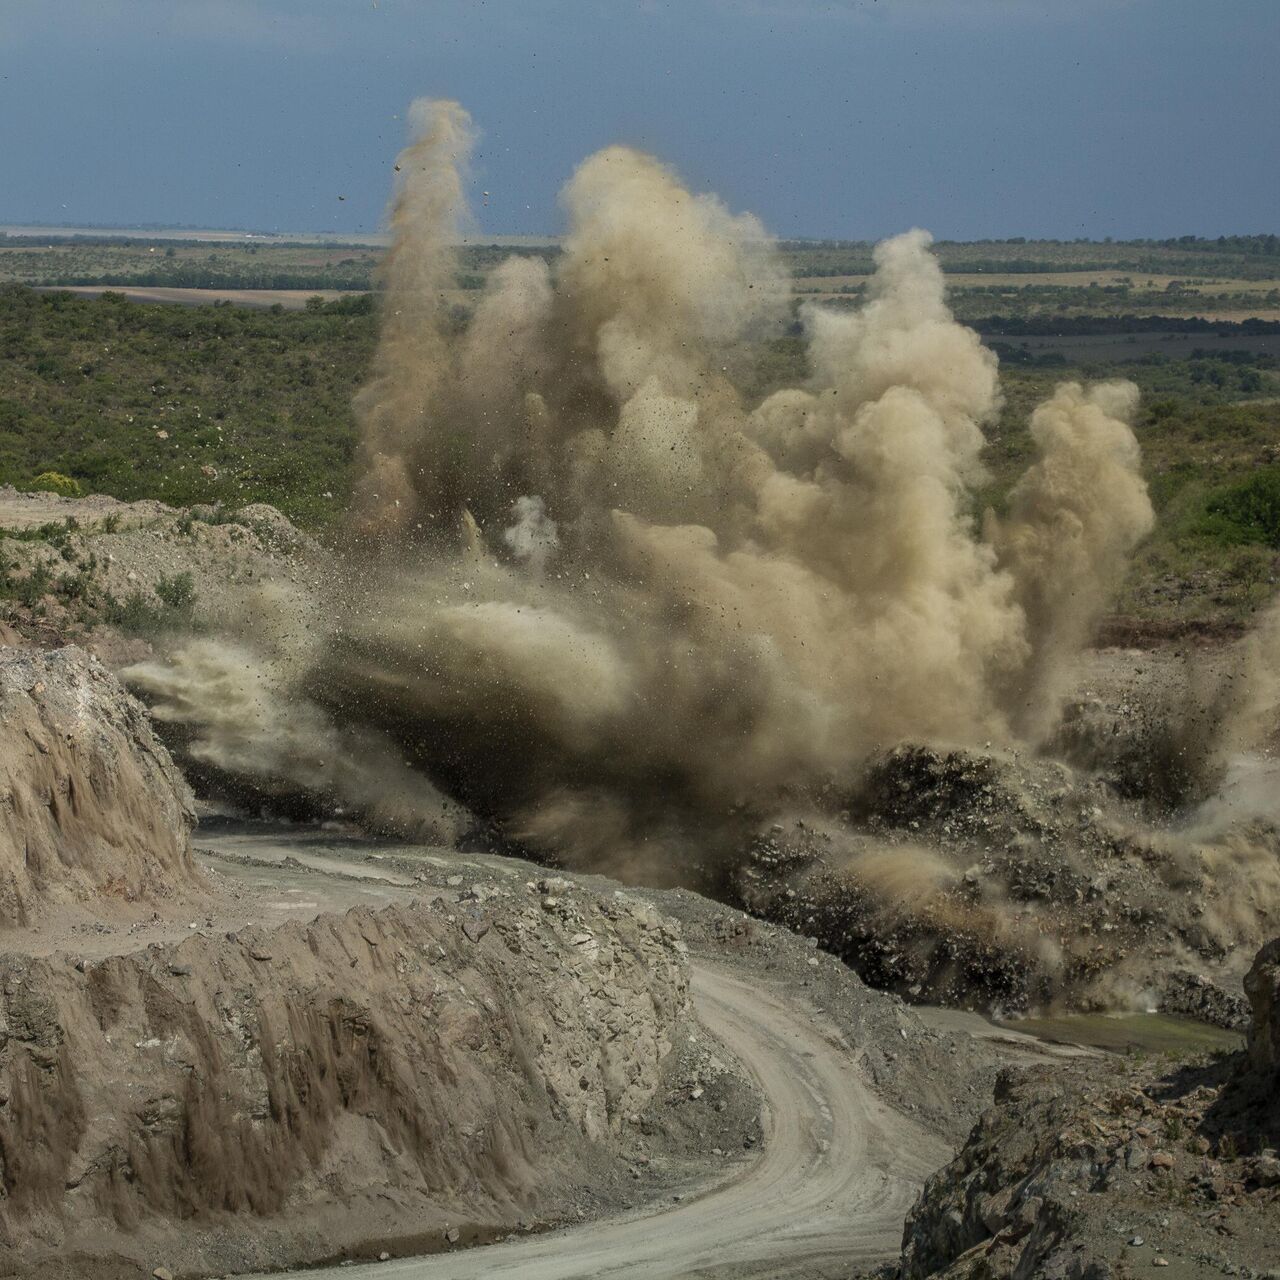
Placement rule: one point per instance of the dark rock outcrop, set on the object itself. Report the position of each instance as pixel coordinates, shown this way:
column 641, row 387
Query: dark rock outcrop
column 1262, row 985
column 1067, row 1156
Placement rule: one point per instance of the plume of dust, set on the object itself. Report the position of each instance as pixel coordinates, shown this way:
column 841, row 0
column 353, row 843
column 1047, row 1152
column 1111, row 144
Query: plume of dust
column 593, row 590
column 413, row 353
column 1251, row 721
column 1230, row 730
column 1074, row 520
column 533, row 537
column 242, row 700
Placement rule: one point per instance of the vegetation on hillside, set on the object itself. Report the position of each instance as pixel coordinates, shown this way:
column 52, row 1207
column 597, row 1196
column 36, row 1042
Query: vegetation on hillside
column 230, row 405
column 184, row 404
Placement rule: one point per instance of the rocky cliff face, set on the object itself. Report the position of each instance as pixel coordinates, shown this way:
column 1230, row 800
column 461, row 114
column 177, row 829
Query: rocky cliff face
column 91, row 805
column 1110, row 1169
column 1262, row 986
column 237, row 1101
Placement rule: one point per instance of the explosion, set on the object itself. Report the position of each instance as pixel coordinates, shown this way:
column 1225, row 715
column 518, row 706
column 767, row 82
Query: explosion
column 596, row 606
column 595, row 596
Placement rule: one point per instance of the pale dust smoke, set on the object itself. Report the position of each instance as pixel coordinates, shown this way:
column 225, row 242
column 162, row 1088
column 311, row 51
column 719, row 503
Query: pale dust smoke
column 242, row 700
column 1074, row 520
column 1228, row 729
column 1251, row 721
column 611, row 606
column 534, row 536
column 413, row 358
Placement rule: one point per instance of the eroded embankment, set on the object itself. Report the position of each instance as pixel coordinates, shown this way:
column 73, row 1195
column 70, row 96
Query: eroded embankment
column 91, row 805
column 250, row 1100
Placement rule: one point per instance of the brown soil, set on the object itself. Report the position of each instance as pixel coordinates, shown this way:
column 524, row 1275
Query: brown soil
column 94, row 808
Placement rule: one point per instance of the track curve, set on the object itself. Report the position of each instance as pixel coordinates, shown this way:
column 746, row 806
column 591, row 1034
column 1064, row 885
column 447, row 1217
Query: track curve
column 835, row 1175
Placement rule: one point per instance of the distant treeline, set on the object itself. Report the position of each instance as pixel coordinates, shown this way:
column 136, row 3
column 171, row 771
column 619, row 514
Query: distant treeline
column 143, row 241
column 1259, row 244
column 193, row 277
column 1083, row 326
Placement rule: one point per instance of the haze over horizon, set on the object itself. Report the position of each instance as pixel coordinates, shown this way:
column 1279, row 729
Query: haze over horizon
column 855, row 119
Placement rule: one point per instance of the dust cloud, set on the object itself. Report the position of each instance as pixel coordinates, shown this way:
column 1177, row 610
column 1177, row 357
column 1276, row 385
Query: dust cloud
column 598, row 598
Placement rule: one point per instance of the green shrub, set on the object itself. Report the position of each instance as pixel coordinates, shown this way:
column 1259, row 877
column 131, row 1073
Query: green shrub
column 1246, row 512
column 28, row 589
column 134, row 614
column 178, row 592
column 56, row 482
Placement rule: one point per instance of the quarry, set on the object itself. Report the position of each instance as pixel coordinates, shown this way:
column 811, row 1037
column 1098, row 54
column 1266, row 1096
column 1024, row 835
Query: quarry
column 651, row 829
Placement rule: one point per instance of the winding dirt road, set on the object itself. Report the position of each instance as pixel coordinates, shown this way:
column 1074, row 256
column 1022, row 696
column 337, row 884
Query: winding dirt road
column 836, row 1173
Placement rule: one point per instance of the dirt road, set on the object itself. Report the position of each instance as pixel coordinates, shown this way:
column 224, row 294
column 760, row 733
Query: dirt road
column 835, row 1176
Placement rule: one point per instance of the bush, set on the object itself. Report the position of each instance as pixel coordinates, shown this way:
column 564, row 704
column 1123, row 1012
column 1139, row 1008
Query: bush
column 134, row 614
column 178, row 592
column 27, row 589
column 56, row 482
column 1247, row 512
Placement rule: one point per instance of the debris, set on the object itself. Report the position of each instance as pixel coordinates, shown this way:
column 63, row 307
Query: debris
column 475, row 927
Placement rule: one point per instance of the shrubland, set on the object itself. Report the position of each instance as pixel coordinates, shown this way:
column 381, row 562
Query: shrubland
column 228, row 406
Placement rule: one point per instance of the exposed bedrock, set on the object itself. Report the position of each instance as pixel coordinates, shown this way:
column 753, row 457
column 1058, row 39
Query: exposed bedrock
column 1087, row 1174
column 1262, row 986
column 244, row 1100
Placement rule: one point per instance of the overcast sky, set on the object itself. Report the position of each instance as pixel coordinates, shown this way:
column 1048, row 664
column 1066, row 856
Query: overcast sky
column 970, row 117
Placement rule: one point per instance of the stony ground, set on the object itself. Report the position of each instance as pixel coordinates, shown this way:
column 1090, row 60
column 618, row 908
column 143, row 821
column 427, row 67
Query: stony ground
column 1013, row 881
column 1149, row 1168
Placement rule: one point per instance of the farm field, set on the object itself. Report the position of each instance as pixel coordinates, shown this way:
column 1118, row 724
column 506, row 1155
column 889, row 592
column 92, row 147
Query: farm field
column 1037, row 283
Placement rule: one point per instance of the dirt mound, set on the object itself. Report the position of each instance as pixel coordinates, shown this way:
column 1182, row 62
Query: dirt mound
column 113, row 576
column 1013, row 881
column 423, row 1073
column 19, row 510
column 93, row 808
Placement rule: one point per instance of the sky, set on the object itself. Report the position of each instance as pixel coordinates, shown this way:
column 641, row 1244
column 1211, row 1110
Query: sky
column 844, row 118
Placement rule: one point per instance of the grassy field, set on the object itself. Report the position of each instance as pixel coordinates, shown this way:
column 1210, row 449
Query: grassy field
column 1231, row 257
column 1055, row 295
column 185, row 264
column 170, row 263
column 224, row 404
